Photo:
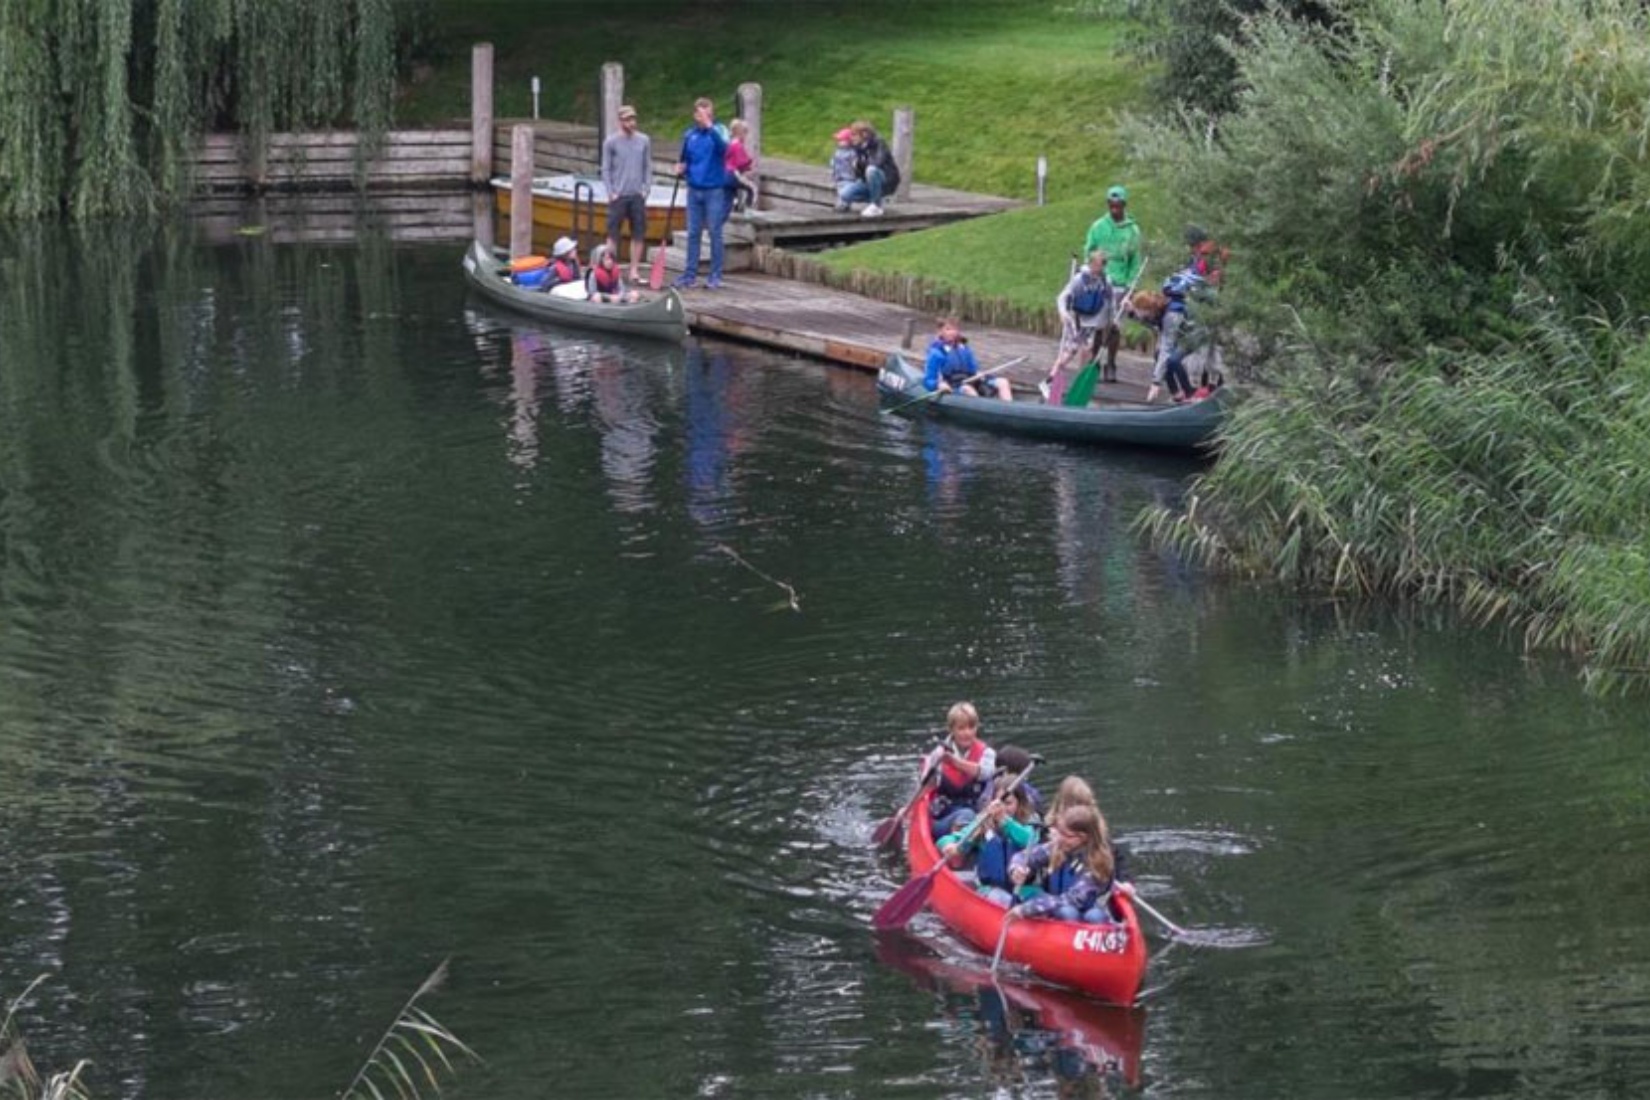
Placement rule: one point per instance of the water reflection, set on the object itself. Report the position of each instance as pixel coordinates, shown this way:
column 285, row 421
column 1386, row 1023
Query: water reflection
column 1023, row 1030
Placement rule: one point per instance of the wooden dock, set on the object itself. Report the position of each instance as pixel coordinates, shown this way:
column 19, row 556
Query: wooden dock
column 846, row 329
column 799, row 199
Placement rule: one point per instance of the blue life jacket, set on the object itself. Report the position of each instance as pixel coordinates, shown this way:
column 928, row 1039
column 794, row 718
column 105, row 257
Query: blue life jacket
column 1090, row 299
column 991, row 862
column 1177, row 286
column 959, row 365
column 1062, row 878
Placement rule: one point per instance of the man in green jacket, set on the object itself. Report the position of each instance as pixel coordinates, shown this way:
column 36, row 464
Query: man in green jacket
column 1117, row 234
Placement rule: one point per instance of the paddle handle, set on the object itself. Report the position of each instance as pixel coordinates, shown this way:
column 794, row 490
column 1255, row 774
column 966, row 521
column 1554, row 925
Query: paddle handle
column 973, row 826
column 932, row 394
column 1134, row 896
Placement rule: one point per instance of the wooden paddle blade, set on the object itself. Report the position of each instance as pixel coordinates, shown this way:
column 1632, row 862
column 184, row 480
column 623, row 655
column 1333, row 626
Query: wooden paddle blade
column 886, row 831
column 1081, row 391
column 656, row 276
column 905, row 903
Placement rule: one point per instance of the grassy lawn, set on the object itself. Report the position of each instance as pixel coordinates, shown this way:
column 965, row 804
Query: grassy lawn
column 994, row 84
column 1023, row 255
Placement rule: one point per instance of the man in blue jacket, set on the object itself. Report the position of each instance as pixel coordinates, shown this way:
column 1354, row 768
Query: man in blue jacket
column 702, row 166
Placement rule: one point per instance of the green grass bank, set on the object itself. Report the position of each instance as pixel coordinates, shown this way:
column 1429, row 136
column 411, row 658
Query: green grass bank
column 994, row 87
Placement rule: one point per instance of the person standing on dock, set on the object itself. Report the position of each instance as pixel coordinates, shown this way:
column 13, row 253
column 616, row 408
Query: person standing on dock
column 703, row 164
column 1118, row 236
column 627, row 174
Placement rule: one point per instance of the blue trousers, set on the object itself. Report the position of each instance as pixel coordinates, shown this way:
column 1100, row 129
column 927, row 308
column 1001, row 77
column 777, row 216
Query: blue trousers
column 868, row 189
column 707, row 208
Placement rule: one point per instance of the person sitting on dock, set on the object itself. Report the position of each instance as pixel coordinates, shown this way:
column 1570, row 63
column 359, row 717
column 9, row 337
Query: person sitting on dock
column 1008, row 830
column 963, row 773
column 875, row 173
column 1070, row 877
column 951, row 366
column 605, row 282
column 1085, row 307
column 564, row 264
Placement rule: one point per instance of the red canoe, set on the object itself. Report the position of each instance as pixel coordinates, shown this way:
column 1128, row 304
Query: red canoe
column 1103, row 960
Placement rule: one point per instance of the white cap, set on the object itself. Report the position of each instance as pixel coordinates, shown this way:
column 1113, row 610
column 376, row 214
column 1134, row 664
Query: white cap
column 565, row 246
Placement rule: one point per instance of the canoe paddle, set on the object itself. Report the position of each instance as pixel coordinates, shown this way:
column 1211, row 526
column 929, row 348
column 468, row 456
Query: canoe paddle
column 931, row 394
column 909, row 899
column 656, row 275
column 889, row 828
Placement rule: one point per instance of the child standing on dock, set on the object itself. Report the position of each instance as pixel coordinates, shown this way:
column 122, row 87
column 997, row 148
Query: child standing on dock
column 1085, row 307
column 739, row 162
column 844, row 166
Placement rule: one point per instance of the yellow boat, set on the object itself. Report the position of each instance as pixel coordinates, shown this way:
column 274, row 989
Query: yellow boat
column 576, row 206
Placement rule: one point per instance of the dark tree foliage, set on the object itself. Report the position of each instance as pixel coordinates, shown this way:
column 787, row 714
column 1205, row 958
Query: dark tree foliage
column 102, row 100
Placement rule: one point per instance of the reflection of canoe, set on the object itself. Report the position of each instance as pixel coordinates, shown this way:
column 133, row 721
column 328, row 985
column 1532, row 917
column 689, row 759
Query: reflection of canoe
column 1103, row 1035
column 660, row 317
column 553, row 205
column 1176, row 427
column 1107, row 961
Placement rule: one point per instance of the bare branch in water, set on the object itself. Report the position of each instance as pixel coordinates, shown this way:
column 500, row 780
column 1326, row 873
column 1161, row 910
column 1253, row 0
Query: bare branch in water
column 795, row 600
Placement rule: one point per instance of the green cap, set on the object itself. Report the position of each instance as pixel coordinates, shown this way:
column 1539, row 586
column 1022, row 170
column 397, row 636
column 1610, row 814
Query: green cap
column 1117, row 194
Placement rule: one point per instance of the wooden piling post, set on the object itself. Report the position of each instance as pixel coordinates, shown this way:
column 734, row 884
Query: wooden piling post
column 612, row 97
column 481, row 114
column 750, row 109
column 521, row 191
column 905, row 125
column 481, row 217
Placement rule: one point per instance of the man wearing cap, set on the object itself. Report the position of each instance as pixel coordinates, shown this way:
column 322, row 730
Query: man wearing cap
column 1116, row 234
column 627, row 173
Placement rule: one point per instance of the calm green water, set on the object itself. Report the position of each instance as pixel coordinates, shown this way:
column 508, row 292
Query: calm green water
column 347, row 624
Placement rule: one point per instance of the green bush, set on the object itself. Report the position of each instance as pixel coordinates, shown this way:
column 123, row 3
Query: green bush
column 1440, row 215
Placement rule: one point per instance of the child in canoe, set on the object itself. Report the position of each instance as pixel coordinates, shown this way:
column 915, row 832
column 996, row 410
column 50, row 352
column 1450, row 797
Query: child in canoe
column 1070, row 876
column 1006, row 831
column 963, row 773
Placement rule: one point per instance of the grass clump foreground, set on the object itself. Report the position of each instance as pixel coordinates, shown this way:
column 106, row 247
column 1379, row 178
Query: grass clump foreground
column 993, row 85
column 1443, row 285
column 409, row 1062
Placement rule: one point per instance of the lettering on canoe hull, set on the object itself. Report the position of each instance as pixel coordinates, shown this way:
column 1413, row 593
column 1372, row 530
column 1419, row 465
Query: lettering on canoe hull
column 1107, row 941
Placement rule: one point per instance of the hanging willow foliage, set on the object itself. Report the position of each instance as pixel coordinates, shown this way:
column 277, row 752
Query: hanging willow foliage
column 102, row 101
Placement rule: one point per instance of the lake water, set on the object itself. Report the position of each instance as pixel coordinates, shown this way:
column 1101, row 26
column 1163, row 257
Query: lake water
column 348, row 624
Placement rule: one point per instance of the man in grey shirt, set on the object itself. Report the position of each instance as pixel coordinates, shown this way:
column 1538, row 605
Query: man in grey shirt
column 627, row 173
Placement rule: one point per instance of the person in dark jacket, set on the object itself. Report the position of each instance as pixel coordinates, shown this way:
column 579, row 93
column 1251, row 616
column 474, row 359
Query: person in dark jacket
column 876, row 174
column 1070, row 876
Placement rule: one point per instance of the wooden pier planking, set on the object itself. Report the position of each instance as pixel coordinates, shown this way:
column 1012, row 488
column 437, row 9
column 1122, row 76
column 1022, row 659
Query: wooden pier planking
column 847, row 329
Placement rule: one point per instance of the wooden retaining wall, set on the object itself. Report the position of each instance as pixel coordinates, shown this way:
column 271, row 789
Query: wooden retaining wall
column 310, row 218
column 328, row 161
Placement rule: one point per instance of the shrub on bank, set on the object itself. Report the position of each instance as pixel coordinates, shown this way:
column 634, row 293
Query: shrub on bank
column 1442, row 214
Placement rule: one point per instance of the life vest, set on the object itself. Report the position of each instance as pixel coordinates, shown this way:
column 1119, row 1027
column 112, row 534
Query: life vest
column 957, row 370
column 564, row 270
column 991, row 863
column 954, row 785
column 1177, row 286
column 605, row 280
column 1090, row 298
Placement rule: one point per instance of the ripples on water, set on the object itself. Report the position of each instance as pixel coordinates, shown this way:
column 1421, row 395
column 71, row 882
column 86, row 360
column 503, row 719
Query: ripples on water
column 346, row 623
